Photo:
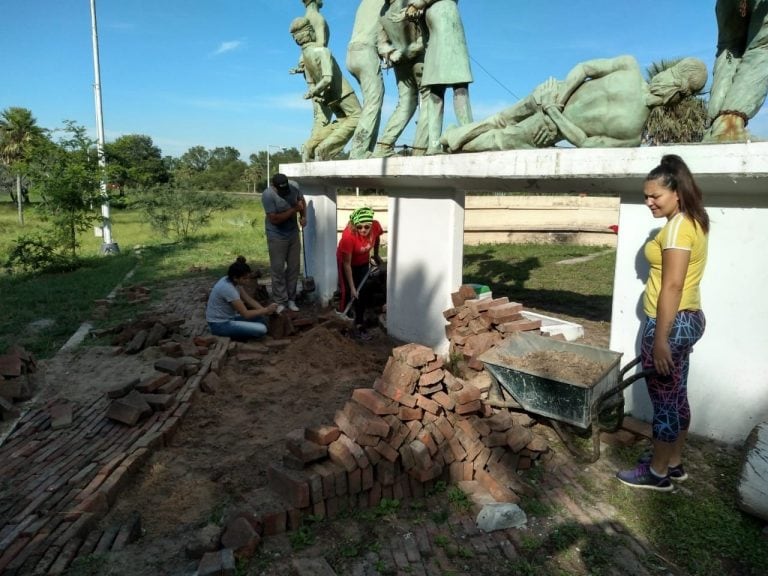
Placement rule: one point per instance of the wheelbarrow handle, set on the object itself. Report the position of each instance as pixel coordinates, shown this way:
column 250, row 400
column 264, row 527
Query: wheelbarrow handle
column 628, row 381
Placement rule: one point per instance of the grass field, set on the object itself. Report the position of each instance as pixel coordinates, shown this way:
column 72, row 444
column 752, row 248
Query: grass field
column 45, row 309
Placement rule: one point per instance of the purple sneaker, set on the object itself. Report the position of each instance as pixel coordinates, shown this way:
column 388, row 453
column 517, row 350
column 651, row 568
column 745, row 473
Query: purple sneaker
column 642, row 477
column 676, row 473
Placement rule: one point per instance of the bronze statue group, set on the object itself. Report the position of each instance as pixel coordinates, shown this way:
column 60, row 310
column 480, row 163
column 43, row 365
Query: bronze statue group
column 601, row 103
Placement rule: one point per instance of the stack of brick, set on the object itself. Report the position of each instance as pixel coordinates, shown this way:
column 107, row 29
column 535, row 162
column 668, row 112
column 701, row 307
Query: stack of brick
column 478, row 324
column 16, row 369
column 418, row 424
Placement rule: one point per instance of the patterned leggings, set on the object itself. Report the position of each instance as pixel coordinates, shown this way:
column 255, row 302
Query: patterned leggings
column 669, row 394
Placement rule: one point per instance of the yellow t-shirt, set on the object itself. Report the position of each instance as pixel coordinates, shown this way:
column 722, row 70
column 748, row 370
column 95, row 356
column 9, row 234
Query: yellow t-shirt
column 679, row 233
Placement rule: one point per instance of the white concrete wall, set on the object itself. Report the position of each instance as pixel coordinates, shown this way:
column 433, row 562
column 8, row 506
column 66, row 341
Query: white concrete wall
column 574, row 219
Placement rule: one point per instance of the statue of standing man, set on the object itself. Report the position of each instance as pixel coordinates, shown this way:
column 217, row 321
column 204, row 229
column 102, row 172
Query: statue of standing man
column 363, row 63
column 740, row 78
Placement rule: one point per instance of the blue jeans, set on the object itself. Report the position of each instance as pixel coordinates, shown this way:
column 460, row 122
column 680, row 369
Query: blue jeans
column 240, row 328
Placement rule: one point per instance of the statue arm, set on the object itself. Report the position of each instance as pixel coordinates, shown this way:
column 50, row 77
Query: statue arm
column 579, row 138
column 326, row 67
column 592, row 69
column 385, row 48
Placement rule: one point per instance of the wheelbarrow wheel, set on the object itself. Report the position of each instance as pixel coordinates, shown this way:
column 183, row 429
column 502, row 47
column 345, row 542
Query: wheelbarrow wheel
column 567, row 434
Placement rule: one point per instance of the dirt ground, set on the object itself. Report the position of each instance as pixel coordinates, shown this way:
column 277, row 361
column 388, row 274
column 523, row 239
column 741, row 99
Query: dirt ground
column 220, row 455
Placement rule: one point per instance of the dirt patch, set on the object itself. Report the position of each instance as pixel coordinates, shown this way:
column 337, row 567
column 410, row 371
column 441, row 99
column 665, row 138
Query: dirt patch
column 221, row 453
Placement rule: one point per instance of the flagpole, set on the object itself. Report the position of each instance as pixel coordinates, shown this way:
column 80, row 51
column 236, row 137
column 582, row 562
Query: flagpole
column 107, row 245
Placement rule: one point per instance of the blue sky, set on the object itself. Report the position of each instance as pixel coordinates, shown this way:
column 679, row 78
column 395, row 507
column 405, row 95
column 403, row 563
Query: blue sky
column 215, row 72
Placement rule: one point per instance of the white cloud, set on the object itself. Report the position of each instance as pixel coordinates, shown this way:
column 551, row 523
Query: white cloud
column 228, row 46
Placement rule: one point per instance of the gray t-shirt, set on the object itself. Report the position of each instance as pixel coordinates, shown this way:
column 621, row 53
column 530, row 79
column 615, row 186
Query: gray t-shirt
column 274, row 203
column 220, row 307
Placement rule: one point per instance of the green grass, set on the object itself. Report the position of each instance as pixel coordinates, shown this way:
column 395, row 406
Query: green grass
column 699, row 527
column 529, row 273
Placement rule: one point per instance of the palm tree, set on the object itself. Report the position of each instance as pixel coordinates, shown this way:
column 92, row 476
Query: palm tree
column 18, row 131
column 683, row 122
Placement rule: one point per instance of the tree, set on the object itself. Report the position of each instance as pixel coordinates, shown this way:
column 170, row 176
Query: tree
column 225, row 169
column 18, row 134
column 66, row 174
column 683, row 122
column 133, row 161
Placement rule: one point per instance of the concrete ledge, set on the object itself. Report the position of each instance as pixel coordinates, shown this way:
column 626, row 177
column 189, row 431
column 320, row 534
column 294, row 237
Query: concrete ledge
column 730, row 168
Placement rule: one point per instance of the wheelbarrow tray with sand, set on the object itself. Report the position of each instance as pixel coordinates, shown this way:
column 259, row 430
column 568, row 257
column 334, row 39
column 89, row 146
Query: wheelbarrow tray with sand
column 563, row 399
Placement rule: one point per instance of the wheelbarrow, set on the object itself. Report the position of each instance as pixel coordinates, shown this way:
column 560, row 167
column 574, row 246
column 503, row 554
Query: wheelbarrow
column 566, row 402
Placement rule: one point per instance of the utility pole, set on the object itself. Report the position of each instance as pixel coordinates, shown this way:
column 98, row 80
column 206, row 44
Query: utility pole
column 107, row 245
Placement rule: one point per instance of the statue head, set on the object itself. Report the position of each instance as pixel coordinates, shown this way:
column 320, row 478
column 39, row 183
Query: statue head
column 318, row 3
column 302, row 31
column 685, row 78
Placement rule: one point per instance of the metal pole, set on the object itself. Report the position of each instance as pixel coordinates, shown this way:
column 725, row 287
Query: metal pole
column 268, row 166
column 107, row 246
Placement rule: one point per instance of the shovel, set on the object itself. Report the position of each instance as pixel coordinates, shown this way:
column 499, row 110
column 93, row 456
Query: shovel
column 343, row 315
column 309, row 282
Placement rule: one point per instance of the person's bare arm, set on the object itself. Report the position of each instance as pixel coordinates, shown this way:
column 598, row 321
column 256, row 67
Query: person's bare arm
column 280, row 217
column 241, row 309
column 674, row 266
column 346, row 266
column 254, row 305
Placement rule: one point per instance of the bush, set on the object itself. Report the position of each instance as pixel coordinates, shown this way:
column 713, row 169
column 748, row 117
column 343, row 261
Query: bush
column 177, row 213
column 35, row 254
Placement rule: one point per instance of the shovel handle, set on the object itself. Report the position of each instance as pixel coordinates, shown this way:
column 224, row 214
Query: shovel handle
column 360, row 287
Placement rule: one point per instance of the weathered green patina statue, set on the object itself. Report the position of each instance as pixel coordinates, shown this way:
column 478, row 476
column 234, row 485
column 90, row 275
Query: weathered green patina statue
column 401, row 47
column 740, row 79
column 446, row 64
column 330, row 90
column 601, row 103
column 363, row 63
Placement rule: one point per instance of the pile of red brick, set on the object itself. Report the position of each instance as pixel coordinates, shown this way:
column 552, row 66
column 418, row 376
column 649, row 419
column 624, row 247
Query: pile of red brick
column 476, row 325
column 17, row 367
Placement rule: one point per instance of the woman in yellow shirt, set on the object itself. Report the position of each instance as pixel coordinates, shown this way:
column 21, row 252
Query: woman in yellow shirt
column 675, row 321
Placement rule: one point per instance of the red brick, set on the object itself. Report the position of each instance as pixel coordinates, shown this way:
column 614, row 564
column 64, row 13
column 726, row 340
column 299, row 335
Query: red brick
column 426, row 438
column 518, row 437
column 406, row 414
column 385, row 473
column 501, row 421
column 503, row 310
column 340, row 455
column 519, row 326
column 385, row 450
column 406, row 457
column 375, row 402
column 172, row 385
column 445, row 427
column 219, row 563
column 323, row 435
column 479, row 343
column 292, row 486
column 397, row 381
column 369, row 422
column 431, row 473
column 421, row 455
column 241, row 538
column 499, row 492
column 427, row 404
column 414, row 428
column 467, row 394
column 153, row 382
column 357, row 452
column 170, row 365
column 468, row 408
column 354, row 480
column 398, row 432
column 431, row 378
column 457, row 449
column 10, row 365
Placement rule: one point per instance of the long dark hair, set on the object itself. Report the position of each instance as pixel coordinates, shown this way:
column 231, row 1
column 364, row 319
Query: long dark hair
column 238, row 269
column 673, row 173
